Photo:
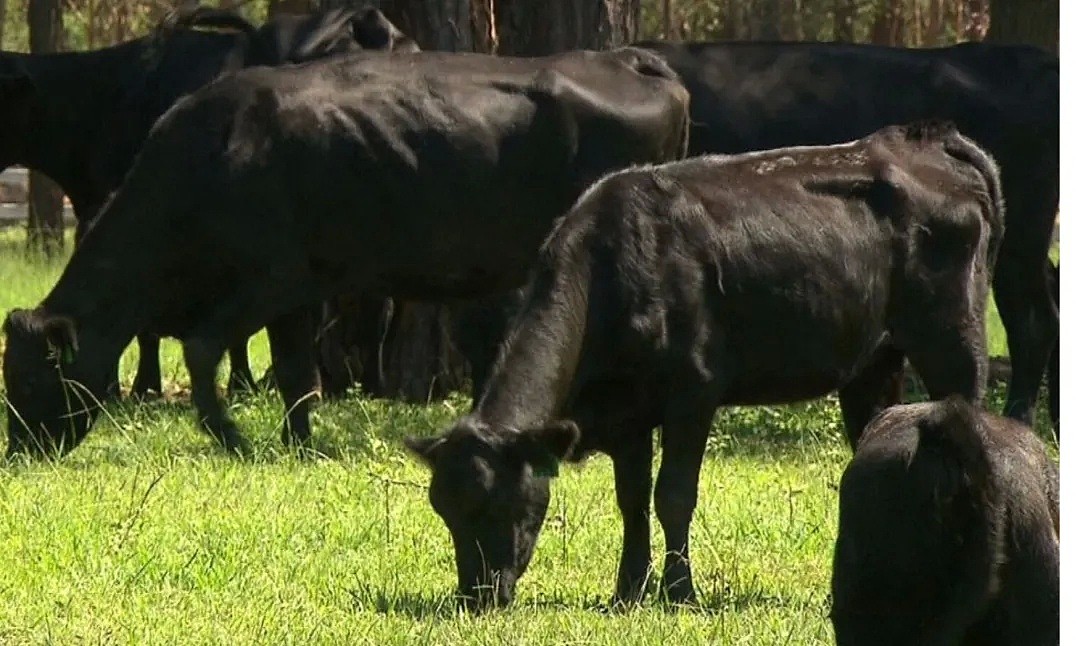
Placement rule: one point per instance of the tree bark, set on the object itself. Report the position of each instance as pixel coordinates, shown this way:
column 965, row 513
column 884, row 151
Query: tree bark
column 3, row 21
column 888, row 27
column 844, row 20
column 976, row 19
column 539, row 27
column 1035, row 22
column 45, row 212
column 445, row 25
column 767, row 20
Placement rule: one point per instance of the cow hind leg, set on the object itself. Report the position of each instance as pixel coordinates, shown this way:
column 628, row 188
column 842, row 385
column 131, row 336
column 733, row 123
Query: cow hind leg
column 683, row 437
column 633, row 480
column 202, row 357
column 876, row 387
column 293, row 354
column 148, row 375
column 240, row 378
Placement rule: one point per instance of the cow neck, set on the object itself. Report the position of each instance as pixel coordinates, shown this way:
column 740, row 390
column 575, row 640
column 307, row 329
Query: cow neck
column 532, row 378
column 103, row 287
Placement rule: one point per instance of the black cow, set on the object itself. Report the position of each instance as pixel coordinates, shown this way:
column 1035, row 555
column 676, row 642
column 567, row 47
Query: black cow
column 754, row 279
column 81, row 117
column 755, row 96
column 948, row 533
column 263, row 194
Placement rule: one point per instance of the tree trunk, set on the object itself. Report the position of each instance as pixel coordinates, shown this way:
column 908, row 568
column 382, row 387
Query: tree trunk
column 791, row 20
column 45, row 212
column 977, row 19
column 538, row 27
column 1034, row 22
column 767, row 20
column 844, row 21
column 888, row 27
column 445, row 25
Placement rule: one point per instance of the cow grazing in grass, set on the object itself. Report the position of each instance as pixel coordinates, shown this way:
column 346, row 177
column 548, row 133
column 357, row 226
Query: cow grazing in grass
column 755, row 96
column 81, row 117
column 259, row 196
column 948, row 533
column 668, row 291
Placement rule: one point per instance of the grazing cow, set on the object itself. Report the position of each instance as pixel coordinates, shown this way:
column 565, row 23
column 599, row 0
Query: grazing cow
column 81, row 117
column 267, row 192
column 948, row 533
column 756, row 96
column 668, row 291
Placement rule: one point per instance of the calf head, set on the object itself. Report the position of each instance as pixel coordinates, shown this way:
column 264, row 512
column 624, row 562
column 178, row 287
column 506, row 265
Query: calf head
column 492, row 491
column 50, row 408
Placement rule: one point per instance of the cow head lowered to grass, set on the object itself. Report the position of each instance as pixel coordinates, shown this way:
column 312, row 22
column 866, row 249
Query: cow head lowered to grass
column 81, row 117
column 478, row 476
column 670, row 290
column 54, row 378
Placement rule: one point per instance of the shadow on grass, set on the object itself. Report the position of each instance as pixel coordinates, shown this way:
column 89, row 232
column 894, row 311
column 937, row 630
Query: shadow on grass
column 359, row 427
column 442, row 607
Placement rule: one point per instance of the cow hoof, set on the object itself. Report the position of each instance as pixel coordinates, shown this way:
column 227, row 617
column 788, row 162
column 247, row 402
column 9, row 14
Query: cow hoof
column 239, row 447
column 679, row 594
column 630, row 593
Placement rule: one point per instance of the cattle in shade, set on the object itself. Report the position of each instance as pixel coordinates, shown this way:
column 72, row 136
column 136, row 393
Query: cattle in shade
column 81, row 117
column 263, row 194
column 753, row 279
column 948, row 532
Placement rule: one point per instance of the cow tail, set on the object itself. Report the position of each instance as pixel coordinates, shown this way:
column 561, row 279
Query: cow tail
column 970, row 507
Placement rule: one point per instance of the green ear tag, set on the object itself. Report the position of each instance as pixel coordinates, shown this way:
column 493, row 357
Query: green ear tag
column 549, row 468
column 68, row 355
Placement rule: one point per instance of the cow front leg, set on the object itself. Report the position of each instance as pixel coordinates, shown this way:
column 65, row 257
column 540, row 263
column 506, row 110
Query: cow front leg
column 148, row 375
column 293, row 353
column 240, row 378
column 633, row 480
column 685, row 430
column 202, row 357
column 877, row 386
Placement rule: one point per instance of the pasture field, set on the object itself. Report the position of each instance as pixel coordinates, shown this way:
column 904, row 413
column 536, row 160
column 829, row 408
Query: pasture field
column 149, row 534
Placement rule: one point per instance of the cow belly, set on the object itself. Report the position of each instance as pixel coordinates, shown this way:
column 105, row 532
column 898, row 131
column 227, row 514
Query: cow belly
column 795, row 357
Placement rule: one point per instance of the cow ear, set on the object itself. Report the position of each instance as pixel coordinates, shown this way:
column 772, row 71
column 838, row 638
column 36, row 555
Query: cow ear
column 60, row 333
column 373, row 30
column 426, row 448
column 545, row 447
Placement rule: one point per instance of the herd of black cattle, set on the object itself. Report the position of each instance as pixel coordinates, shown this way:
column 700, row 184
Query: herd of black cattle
column 640, row 289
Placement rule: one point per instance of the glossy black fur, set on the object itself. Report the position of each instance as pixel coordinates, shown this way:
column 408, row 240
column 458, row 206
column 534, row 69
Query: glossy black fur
column 267, row 192
column 948, row 533
column 668, row 291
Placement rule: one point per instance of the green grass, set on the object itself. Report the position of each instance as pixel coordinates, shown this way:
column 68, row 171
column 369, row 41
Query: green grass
column 148, row 534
